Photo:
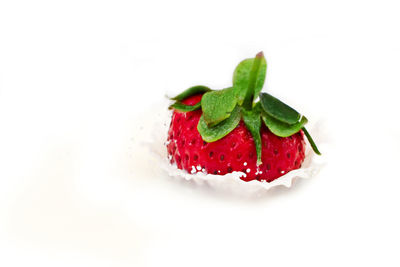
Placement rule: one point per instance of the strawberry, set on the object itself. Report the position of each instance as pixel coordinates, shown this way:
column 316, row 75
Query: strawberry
column 220, row 132
column 234, row 152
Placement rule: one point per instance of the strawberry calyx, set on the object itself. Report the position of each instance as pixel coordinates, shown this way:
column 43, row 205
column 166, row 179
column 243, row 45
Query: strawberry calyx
column 223, row 109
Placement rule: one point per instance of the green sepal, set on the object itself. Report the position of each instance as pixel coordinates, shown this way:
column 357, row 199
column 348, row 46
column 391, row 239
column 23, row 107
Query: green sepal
column 211, row 134
column 280, row 128
column 218, row 105
column 252, row 121
column 198, row 89
column 184, row 108
column 279, row 110
column 222, row 110
column 311, row 141
column 248, row 79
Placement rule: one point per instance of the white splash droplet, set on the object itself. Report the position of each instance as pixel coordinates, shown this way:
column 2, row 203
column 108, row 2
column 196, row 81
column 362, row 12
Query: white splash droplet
column 193, row 170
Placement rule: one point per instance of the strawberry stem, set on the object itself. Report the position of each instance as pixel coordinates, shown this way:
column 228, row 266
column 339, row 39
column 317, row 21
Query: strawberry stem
column 248, row 99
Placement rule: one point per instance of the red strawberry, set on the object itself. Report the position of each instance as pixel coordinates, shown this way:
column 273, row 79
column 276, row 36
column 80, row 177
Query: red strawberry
column 234, row 152
column 222, row 131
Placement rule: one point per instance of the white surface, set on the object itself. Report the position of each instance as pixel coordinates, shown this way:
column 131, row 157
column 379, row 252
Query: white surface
column 77, row 77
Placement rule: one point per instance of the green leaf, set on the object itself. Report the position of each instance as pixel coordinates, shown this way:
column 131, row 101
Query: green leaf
column 211, row 134
column 279, row 110
column 191, row 91
column 280, row 128
column 253, row 122
column 311, row 141
column 248, row 79
column 185, row 108
column 218, row 105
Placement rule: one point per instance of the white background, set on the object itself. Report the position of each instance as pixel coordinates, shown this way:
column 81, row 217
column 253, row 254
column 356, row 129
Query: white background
column 77, row 79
